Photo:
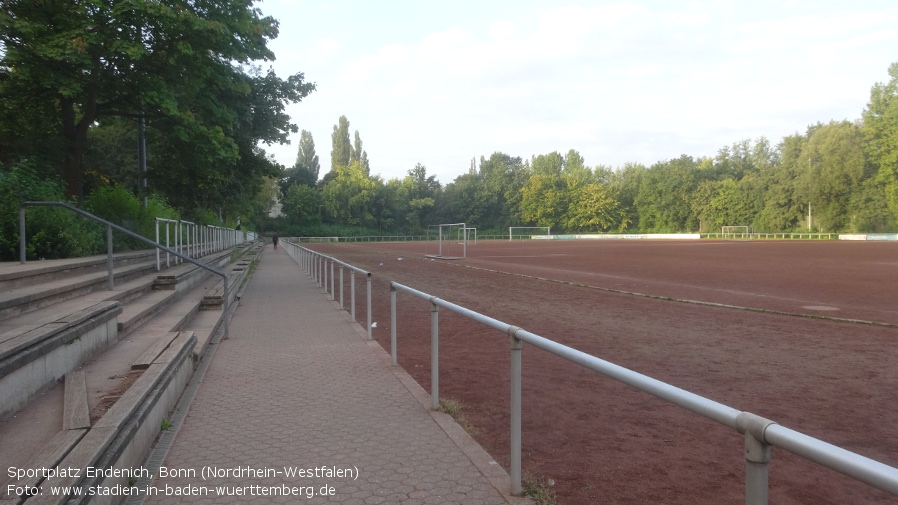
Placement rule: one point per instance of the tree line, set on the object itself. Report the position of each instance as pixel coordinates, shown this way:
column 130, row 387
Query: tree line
column 837, row 176
column 82, row 82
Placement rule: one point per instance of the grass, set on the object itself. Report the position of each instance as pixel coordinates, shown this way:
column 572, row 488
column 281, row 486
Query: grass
column 166, row 424
column 539, row 490
column 455, row 409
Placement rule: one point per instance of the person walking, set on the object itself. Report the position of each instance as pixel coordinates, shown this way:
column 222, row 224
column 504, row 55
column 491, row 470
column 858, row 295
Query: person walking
column 274, row 240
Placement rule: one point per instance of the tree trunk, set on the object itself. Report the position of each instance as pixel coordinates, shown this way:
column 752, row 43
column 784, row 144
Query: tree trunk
column 75, row 135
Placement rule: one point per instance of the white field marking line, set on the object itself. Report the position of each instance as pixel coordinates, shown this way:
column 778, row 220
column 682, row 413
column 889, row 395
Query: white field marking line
column 691, row 302
column 526, row 256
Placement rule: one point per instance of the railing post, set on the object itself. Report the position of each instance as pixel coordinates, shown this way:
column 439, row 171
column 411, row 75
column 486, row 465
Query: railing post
column 515, row 414
column 369, row 307
column 757, row 457
column 333, row 293
column 393, row 323
column 757, row 460
column 352, row 292
column 167, row 255
column 110, row 277
column 324, row 273
column 341, row 287
column 22, row 234
column 434, row 356
column 158, row 265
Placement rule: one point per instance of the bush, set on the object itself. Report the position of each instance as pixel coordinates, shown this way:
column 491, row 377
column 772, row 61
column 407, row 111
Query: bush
column 50, row 232
column 118, row 205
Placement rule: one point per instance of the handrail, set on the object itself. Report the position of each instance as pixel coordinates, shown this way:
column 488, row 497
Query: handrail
column 109, row 228
column 760, row 434
column 311, row 261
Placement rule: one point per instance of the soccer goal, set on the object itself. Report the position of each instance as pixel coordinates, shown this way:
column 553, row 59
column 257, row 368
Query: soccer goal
column 743, row 232
column 469, row 235
column 525, row 232
column 447, row 241
column 314, row 240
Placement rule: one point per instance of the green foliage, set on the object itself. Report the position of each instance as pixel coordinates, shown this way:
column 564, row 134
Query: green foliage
column 663, row 201
column 347, row 199
column 50, row 232
column 880, row 131
column 341, row 150
column 300, row 204
column 119, row 206
column 188, row 68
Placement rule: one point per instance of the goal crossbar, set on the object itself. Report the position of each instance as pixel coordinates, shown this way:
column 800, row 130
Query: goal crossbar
column 445, row 238
column 512, row 228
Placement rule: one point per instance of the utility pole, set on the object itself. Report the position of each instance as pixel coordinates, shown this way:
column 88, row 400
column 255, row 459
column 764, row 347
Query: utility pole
column 810, row 218
column 142, row 160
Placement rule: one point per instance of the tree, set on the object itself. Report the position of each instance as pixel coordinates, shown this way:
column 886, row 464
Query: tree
column 300, row 204
column 185, row 67
column 306, row 157
column 834, row 166
column 349, row 196
column 663, row 201
column 880, row 130
column 626, row 183
column 305, row 170
column 594, row 207
column 545, row 200
column 782, row 208
column 341, row 149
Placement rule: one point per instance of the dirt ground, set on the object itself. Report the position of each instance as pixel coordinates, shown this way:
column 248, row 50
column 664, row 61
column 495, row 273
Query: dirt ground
column 604, row 442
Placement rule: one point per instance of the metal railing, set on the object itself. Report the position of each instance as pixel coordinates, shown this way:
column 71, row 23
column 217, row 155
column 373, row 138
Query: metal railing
column 109, row 257
column 760, row 434
column 316, row 265
column 772, row 236
column 196, row 240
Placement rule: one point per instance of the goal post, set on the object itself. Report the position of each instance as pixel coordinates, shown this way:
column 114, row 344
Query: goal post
column 466, row 234
column 525, row 232
column 735, row 231
column 450, row 241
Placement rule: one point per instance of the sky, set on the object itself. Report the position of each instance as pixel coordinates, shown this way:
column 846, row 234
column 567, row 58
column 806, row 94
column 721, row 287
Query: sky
column 443, row 82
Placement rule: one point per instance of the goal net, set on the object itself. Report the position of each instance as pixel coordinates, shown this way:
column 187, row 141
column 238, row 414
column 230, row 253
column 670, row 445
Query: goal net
column 525, row 232
column 735, row 231
column 447, row 241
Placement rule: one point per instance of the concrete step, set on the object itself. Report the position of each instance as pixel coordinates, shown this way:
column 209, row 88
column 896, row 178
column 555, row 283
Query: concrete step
column 152, row 311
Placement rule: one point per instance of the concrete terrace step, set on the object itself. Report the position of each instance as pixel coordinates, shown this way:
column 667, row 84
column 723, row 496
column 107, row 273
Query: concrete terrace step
column 14, row 274
column 35, row 356
column 155, row 304
column 32, row 297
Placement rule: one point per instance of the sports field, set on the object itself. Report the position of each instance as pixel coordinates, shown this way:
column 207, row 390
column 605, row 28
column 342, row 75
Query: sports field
column 818, row 353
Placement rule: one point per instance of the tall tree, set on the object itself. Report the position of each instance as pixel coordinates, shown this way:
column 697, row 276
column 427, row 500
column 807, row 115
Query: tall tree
column 834, row 166
column 306, row 156
column 880, row 129
column 341, row 149
column 306, row 169
column 183, row 65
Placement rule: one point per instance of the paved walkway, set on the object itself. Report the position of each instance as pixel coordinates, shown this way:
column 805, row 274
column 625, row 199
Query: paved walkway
column 296, row 388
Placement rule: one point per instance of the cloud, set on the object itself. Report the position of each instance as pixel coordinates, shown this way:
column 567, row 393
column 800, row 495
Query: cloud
column 636, row 81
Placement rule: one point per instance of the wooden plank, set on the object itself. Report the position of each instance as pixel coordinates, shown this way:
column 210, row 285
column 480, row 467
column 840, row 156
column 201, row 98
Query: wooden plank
column 185, row 338
column 75, row 410
column 116, row 416
column 15, row 343
column 84, row 454
column 146, row 359
column 52, row 453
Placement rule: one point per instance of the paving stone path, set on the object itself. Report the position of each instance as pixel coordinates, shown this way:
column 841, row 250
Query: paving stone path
column 296, row 388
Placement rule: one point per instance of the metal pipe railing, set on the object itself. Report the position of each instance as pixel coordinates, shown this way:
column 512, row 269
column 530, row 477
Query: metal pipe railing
column 760, row 434
column 317, row 265
column 109, row 228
